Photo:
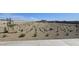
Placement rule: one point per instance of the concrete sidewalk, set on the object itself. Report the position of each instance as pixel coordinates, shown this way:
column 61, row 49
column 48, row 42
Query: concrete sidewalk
column 59, row 42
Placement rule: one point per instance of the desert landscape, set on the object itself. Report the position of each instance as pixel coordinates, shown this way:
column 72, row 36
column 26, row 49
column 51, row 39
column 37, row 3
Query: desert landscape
column 11, row 30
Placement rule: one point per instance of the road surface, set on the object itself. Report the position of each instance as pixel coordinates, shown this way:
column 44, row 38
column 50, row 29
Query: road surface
column 56, row 42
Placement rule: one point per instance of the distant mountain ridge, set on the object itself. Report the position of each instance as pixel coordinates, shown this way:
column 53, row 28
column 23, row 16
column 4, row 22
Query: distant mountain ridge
column 71, row 22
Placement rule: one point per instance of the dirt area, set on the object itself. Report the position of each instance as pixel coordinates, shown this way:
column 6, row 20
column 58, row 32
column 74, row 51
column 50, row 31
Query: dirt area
column 15, row 31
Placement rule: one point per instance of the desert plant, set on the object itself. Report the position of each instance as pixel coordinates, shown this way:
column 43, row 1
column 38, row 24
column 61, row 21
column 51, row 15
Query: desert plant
column 70, row 30
column 4, row 36
column 41, row 30
column 57, row 34
column 21, row 35
column 76, row 25
column 47, row 35
column 64, row 30
column 44, row 29
column 67, row 34
column 50, row 28
column 30, row 29
column 76, row 34
column 57, row 29
column 21, row 30
column 34, row 35
column 5, row 30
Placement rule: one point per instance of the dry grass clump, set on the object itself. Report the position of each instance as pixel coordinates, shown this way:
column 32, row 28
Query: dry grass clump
column 21, row 35
column 5, row 30
column 21, row 30
column 70, row 30
column 46, row 35
column 50, row 28
column 3, row 36
column 57, row 34
column 35, row 35
column 67, row 34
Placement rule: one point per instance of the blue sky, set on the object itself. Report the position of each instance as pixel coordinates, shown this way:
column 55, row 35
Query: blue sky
column 39, row 16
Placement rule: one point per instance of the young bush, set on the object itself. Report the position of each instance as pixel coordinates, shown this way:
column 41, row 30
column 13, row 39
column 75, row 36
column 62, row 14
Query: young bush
column 21, row 35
